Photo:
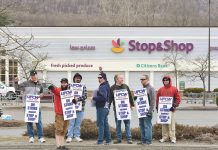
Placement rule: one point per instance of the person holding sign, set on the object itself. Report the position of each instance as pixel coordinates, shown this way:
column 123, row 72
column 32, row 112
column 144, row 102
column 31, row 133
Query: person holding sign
column 101, row 101
column 60, row 124
column 121, row 98
column 145, row 118
column 80, row 96
column 32, row 89
column 168, row 98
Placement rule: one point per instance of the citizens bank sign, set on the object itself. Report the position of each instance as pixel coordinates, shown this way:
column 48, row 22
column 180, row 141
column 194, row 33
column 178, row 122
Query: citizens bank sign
column 150, row 47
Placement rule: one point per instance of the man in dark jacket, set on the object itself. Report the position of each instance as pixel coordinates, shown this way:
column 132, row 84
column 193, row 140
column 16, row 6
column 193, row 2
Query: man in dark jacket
column 169, row 130
column 145, row 123
column 102, row 100
column 118, row 86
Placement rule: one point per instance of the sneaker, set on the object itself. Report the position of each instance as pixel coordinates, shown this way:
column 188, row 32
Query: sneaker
column 108, row 143
column 149, row 144
column 162, row 140
column 59, row 148
column 64, row 148
column 140, row 143
column 99, row 143
column 117, row 142
column 77, row 139
column 31, row 140
column 69, row 139
column 129, row 142
column 42, row 140
column 173, row 141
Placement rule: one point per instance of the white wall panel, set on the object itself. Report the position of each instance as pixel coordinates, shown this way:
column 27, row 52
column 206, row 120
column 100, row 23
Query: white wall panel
column 55, row 77
column 91, row 81
column 134, row 79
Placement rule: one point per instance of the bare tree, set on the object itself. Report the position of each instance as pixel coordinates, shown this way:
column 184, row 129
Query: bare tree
column 4, row 19
column 22, row 50
column 152, row 11
column 199, row 71
column 175, row 58
column 112, row 12
column 120, row 13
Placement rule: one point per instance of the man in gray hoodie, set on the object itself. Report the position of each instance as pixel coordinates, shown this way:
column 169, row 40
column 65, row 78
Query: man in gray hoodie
column 34, row 87
column 145, row 123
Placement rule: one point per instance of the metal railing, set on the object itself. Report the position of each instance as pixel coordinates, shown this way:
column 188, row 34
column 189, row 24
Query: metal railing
column 197, row 98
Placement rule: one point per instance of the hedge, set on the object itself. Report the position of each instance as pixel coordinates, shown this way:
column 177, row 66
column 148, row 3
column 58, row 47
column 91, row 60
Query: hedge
column 193, row 90
column 215, row 90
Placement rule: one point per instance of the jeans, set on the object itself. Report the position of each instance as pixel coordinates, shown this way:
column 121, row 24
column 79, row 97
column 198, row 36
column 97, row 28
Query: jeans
column 102, row 125
column 118, row 129
column 145, row 125
column 75, row 125
column 30, row 130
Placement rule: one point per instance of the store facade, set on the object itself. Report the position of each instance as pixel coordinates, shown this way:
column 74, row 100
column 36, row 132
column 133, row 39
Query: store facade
column 129, row 51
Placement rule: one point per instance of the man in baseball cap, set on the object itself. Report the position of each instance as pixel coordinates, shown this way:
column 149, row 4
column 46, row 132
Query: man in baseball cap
column 102, row 75
column 33, row 72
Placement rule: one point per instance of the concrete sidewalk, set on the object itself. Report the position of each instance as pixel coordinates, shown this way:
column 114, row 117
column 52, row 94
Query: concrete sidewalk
column 21, row 143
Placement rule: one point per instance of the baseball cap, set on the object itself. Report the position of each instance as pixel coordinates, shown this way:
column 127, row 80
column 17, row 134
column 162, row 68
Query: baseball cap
column 102, row 75
column 64, row 80
column 33, row 72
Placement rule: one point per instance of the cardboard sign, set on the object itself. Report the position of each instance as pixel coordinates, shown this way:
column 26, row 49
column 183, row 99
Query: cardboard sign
column 122, row 104
column 142, row 103
column 164, row 114
column 69, row 110
column 77, row 89
column 32, row 108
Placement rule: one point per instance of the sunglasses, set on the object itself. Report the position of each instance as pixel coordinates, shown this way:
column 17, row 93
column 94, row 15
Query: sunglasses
column 99, row 77
column 166, row 80
column 143, row 79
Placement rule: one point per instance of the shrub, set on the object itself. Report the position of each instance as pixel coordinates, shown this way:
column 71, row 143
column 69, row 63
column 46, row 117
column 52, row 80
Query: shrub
column 11, row 123
column 193, row 90
column 183, row 132
column 217, row 100
column 215, row 90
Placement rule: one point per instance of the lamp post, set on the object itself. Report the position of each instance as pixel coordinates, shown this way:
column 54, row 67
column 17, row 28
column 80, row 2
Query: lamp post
column 209, row 52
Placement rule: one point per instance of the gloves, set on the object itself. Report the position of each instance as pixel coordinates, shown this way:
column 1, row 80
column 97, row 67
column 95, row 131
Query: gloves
column 74, row 101
column 172, row 109
column 175, row 105
column 50, row 87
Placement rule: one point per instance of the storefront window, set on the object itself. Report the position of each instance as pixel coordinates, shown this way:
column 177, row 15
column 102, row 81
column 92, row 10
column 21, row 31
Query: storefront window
column 2, row 70
column 12, row 71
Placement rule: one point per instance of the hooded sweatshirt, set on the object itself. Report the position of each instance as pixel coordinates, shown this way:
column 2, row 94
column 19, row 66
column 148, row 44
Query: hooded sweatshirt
column 170, row 91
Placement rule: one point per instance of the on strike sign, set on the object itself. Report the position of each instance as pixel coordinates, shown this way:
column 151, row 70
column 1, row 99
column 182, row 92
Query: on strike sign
column 69, row 110
column 142, row 103
column 32, row 108
column 77, row 89
column 123, row 111
column 164, row 113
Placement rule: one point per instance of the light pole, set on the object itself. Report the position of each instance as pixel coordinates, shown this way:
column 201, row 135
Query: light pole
column 209, row 52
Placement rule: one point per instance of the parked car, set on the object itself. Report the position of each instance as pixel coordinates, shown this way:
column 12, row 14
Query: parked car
column 6, row 91
column 1, row 112
column 48, row 96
